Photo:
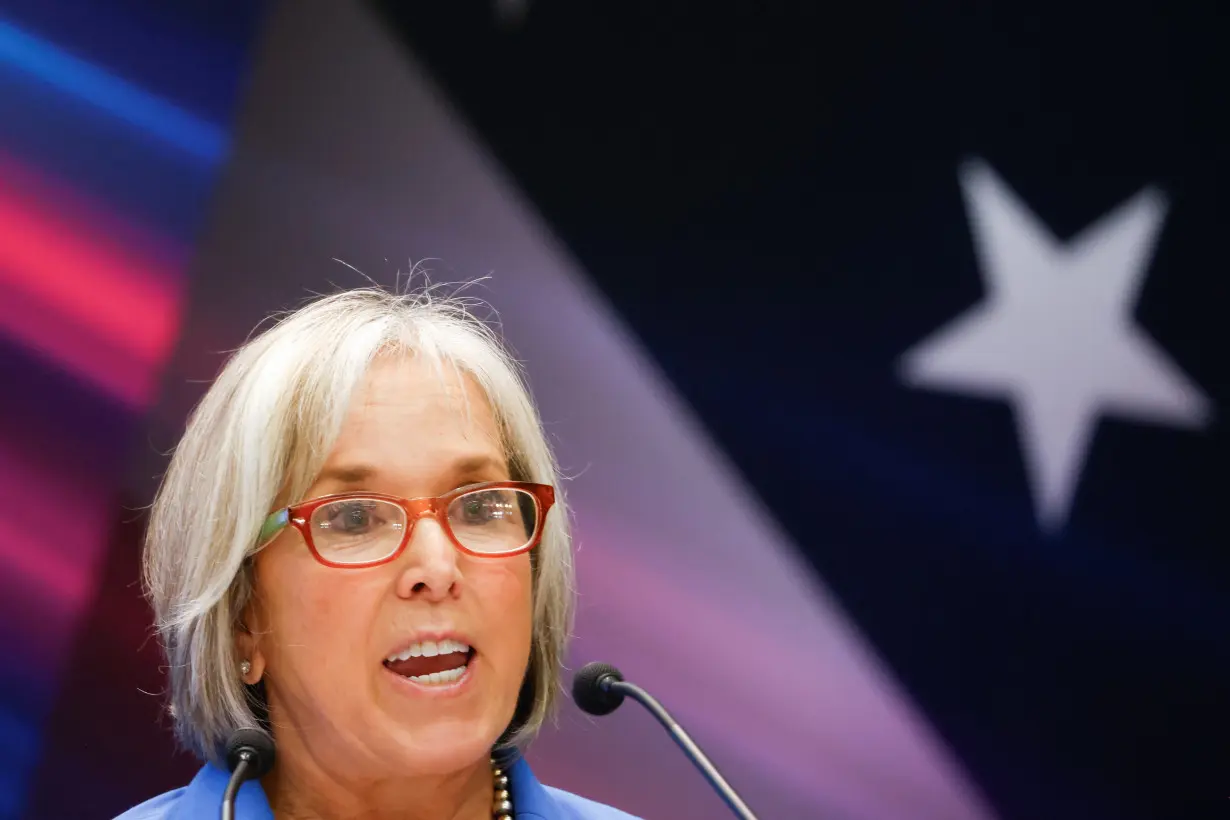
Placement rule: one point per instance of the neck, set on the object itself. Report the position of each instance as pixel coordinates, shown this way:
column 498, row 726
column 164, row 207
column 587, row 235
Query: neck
column 302, row 790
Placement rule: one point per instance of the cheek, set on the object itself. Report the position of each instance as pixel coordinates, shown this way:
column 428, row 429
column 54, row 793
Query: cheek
column 503, row 579
column 312, row 613
column 504, row 591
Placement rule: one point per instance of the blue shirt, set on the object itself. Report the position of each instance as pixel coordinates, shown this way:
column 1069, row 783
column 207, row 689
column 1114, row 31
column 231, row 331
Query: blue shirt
column 202, row 800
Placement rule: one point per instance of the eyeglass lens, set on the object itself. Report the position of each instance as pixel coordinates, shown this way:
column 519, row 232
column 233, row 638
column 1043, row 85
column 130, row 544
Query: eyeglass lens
column 359, row 530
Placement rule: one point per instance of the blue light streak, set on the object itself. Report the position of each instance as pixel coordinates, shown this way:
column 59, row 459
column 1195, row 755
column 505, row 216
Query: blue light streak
column 120, row 98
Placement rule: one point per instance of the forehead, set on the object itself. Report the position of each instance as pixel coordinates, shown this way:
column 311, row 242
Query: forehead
column 411, row 412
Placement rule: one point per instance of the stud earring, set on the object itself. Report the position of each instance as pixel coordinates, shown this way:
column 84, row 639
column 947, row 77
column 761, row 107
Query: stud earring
column 245, row 668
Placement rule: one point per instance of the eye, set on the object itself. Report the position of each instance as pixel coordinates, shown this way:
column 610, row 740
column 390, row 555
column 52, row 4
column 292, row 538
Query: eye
column 351, row 517
column 485, row 507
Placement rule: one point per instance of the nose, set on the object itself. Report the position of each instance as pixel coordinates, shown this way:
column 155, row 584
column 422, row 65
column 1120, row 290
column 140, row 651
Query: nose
column 429, row 565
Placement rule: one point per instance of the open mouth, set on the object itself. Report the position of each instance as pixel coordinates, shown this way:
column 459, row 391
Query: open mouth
column 432, row 662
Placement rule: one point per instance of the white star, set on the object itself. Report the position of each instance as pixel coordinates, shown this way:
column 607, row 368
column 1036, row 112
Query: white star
column 1054, row 335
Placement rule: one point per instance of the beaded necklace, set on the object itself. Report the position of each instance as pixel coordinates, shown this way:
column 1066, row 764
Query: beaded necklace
column 501, row 804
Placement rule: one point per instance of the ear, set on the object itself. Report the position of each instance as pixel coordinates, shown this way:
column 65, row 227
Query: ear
column 248, row 632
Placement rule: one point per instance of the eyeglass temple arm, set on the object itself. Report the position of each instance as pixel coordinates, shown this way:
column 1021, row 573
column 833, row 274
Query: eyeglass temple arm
column 273, row 524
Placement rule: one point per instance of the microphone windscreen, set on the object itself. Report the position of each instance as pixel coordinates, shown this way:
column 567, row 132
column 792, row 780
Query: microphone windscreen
column 588, row 693
column 260, row 747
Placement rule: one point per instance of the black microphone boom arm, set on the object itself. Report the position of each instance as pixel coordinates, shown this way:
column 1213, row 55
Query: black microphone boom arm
column 694, row 753
column 599, row 689
column 249, row 756
column 238, row 776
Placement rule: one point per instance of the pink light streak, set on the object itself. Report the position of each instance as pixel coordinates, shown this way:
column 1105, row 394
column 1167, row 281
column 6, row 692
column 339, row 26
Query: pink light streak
column 96, row 295
column 53, row 529
column 687, row 618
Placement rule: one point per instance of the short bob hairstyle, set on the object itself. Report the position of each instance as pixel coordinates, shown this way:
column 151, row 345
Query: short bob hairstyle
column 256, row 442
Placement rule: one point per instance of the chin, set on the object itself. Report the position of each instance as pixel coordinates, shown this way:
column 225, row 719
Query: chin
column 444, row 746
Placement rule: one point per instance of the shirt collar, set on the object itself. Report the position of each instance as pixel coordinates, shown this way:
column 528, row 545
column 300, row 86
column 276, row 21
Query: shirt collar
column 203, row 797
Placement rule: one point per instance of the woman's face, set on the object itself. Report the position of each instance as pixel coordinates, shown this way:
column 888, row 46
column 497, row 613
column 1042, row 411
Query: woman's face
column 320, row 638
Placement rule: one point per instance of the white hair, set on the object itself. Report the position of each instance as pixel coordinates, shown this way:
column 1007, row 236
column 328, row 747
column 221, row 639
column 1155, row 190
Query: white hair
column 258, row 439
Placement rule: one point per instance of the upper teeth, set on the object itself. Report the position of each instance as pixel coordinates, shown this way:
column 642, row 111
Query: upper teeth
column 429, row 649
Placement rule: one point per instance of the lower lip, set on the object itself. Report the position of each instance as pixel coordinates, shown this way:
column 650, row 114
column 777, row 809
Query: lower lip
column 435, row 690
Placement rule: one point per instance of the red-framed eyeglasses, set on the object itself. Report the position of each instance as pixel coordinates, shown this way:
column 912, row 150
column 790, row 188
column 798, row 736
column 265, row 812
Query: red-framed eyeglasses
column 354, row 530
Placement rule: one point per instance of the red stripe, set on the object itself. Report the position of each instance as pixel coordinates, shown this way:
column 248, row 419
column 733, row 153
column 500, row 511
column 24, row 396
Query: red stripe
column 75, row 349
column 60, row 256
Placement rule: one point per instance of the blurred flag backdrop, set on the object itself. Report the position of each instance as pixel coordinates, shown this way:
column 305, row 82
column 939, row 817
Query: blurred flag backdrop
column 884, row 345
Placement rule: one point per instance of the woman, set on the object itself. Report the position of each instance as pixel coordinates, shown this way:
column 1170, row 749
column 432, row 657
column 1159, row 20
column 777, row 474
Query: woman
column 360, row 547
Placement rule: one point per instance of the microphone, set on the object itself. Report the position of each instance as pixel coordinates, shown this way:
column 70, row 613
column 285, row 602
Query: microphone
column 599, row 689
column 249, row 755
